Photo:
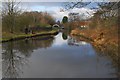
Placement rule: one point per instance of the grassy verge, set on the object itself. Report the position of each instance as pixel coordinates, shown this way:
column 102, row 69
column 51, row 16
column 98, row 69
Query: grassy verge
column 16, row 36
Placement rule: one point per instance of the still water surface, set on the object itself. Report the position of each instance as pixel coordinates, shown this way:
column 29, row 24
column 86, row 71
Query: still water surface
column 54, row 57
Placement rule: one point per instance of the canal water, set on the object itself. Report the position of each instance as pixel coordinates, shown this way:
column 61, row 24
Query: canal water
column 56, row 56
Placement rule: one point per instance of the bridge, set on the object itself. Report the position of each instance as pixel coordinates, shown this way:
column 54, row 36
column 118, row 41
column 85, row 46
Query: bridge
column 56, row 25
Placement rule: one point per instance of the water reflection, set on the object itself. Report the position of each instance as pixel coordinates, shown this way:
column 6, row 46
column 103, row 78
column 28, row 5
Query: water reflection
column 64, row 36
column 72, row 40
column 12, row 61
column 15, row 54
column 54, row 57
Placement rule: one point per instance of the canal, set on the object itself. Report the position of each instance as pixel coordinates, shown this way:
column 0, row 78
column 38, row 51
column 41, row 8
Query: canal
column 56, row 56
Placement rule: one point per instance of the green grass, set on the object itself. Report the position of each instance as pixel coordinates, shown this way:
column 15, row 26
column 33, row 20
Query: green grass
column 8, row 36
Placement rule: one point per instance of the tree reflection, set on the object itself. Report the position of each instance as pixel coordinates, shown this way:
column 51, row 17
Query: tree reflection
column 16, row 54
column 64, row 36
column 111, row 51
column 71, row 39
column 12, row 61
column 76, row 41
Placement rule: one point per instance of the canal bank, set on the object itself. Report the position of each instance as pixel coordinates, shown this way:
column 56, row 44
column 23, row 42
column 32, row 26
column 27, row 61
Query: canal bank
column 24, row 36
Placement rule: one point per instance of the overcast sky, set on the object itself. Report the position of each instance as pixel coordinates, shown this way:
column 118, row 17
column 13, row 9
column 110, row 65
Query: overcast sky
column 56, row 9
column 63, row 0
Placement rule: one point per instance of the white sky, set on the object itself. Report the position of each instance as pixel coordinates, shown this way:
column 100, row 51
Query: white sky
column 63, row 0
column 54, row 8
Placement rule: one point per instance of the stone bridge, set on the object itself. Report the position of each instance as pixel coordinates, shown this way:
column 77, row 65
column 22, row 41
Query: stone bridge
column 56, row 25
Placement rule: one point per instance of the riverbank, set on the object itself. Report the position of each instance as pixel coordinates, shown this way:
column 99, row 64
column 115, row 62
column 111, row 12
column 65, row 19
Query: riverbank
column 104, row 40
column 17, row 36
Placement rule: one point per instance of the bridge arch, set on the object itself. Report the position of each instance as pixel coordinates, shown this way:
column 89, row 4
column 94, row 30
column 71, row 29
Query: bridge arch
column 56, row 25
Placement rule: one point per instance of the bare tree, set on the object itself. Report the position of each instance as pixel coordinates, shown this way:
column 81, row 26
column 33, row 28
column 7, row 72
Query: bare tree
column 71, row 5
column 106, row 8
column 10, row 10
column 109, row 9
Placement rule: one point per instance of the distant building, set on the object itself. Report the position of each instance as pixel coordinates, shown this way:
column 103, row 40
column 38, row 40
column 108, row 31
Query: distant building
column 84, row 24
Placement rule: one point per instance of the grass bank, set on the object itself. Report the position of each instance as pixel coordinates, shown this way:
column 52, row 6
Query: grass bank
column 17, row 36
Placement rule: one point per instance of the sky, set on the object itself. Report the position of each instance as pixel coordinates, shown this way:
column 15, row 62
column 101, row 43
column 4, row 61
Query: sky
column 57, row 9
column 63, row 0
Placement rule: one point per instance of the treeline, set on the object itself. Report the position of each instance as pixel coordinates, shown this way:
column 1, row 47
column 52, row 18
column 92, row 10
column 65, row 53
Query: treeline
column 16, row 20
column 27, row 19
column 105, row 21
column 106, row 16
